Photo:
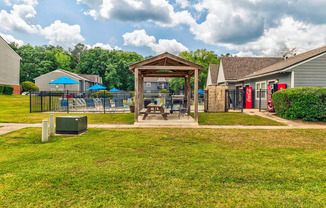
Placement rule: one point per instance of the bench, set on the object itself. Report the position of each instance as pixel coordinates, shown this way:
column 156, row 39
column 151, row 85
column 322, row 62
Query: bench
column 143, row 111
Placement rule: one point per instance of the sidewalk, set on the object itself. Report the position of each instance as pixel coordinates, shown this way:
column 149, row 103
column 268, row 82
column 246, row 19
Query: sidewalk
column 9, row 127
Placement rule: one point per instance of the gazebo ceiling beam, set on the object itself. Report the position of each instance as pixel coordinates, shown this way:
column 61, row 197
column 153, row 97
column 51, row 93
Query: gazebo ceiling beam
column 181, row 72
column 166, row 68
column 164, row 75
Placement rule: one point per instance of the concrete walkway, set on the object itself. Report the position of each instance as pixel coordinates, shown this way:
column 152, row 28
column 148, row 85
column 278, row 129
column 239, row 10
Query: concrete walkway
column 9, row 127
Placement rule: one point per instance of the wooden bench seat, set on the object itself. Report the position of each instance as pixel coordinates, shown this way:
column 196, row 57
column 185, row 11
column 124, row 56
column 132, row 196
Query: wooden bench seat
column 143, row 111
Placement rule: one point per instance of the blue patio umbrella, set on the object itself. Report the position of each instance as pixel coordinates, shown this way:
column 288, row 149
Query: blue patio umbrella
column 97, row 87
column 201, row 92
column 114, row 90
column 64, row 80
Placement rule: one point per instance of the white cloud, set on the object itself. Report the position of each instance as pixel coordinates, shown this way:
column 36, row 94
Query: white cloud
column 290, row 33
column 171, row 46
column 10, row 39
column 104, row 46
column 59, row 33
column 140, row 38
column 158, row 11
column 18, row 20
column 183, row 3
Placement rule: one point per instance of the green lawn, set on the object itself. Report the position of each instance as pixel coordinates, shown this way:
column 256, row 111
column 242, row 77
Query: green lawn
column 234, row 119
column 15, row 109
column 164, row 168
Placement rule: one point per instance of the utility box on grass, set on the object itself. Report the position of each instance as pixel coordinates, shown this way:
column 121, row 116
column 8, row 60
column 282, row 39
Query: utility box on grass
column 71, row 124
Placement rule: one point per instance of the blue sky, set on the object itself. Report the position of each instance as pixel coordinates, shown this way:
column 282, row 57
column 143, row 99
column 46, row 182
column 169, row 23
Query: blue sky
column 150, row 27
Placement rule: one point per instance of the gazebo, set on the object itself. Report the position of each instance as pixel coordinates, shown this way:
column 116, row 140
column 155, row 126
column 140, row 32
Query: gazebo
column 166, row 65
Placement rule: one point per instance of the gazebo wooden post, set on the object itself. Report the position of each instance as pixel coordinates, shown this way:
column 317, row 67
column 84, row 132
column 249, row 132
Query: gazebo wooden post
column 196, row 95
column 185, row 91
column 189, row 93
column 141, row 93
column 136, row 95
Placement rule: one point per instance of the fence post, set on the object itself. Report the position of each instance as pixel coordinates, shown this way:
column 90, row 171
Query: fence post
column 45, row 131
column 50, row 102
column 234, row 101
column 30, row 101
column 51, row 120
column 41, row 101
column 67, row 101
column 242, row 100
column 259, row 100
column 226, row 101
column 104, row 102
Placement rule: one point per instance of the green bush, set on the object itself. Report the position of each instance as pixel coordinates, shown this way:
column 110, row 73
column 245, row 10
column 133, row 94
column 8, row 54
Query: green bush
column 6, row 89
column 164, row 91
column 100, row 94
column 29, row 86
column 307, row 103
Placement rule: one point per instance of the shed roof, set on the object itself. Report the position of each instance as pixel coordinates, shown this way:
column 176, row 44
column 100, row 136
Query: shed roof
column 92, row 78
column 285, row 63
column 239, row 67
column 214, row 69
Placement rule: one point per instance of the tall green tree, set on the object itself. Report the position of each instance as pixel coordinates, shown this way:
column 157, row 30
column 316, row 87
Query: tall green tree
column 202, row 57
column 63, row 60
column 112, row 66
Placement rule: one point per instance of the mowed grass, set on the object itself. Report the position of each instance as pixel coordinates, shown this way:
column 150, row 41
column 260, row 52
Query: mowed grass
column 164, row 168
column 235, row 119
column 15, row 109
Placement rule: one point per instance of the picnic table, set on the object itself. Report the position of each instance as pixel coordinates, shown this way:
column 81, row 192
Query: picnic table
column 153, row 108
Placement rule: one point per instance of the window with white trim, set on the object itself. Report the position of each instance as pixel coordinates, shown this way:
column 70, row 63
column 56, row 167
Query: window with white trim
column 262, row 86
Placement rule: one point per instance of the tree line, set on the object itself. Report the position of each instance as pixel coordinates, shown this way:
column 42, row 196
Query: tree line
column 112, row 65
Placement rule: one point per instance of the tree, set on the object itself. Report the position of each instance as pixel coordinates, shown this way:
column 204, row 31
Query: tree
column 112, row 66
column 78, row 50
column 202, row 57
column 285, row 51
column 63, row 60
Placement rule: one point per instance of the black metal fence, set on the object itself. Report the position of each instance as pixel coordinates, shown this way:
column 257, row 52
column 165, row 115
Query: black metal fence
column 88, row 102
column 73, row 101
column 238, row 99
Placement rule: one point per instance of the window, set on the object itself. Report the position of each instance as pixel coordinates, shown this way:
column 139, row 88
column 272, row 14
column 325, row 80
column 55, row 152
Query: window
column 148, row 84
column 162, row 85
column 262, row 86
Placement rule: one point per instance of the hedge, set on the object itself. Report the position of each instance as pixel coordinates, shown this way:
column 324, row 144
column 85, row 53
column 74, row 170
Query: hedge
column 29, row 86
column 6, row 89
column 307, row 103
column 100, row 94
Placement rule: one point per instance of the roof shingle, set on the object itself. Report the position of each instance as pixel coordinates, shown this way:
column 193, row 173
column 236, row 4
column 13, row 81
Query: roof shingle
column 214, row 68
column 239, row 67
column 288, row 62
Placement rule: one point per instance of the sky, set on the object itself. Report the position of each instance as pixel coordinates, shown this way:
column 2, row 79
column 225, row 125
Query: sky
column 151, row 27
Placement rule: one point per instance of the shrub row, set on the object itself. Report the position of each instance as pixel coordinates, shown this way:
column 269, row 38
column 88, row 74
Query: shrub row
column 6, row 89
column 307, row 103
column 29, row 86
column 102, row 94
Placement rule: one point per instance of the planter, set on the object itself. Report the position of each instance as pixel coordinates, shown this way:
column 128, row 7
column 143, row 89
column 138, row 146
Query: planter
column 132, row 109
